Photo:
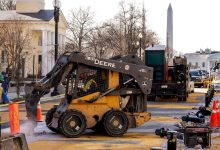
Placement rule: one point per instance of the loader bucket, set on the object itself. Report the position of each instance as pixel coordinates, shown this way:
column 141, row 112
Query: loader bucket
column 31, row 105
column 16, row 142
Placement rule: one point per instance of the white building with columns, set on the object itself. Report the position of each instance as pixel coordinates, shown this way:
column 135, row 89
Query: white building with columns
column 42, row 27
column 203, row 59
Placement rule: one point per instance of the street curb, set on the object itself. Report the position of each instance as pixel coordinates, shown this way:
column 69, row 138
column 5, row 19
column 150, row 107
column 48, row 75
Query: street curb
column 42, row 100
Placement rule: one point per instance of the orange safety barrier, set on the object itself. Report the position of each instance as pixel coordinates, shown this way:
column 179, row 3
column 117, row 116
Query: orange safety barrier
column 14, row 117
column 39, row 113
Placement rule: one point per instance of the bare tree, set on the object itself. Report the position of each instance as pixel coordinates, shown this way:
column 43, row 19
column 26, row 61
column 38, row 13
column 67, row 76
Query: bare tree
column 15, row 39
column 115, row 36
column 80, row 25
column 151, row 38
column 121, row 34
column 7, row 4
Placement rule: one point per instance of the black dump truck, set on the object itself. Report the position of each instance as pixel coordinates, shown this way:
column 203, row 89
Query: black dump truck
column 168, row 81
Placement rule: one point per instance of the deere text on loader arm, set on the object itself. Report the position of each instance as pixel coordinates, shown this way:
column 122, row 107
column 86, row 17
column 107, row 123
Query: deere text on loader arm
column 101, row 94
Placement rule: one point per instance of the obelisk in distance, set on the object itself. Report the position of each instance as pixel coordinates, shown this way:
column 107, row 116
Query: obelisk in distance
column 170, row 34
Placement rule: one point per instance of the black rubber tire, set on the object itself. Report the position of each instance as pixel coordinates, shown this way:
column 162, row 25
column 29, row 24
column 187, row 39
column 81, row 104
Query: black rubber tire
column 121, row 125
column 49, row 117
column 78, row 121
column 179, row 99
column 152, row 99
column 184, row 99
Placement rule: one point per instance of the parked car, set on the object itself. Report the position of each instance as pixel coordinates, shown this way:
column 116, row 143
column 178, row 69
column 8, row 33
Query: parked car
column 204, row 73
column 197, row 76
column 216, row 85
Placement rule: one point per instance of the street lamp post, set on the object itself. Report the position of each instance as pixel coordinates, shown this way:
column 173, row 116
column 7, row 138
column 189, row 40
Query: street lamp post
column 33, row 65
column 140, row 38
column 56, row 4
column 33, row 53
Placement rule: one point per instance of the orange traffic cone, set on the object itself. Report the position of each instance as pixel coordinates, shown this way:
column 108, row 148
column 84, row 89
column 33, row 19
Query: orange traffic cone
column 39, row 114
column 218, row 113
column 214, row 118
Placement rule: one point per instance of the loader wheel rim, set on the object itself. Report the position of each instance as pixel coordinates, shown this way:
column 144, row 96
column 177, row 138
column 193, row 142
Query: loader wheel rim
column 115, row 123
column 72, row 123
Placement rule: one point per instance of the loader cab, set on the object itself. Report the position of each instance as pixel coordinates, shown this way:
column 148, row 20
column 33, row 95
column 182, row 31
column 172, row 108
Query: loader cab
column 85, row 80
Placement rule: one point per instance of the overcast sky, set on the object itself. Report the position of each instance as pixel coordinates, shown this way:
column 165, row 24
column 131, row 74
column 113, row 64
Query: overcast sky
column 196, row 22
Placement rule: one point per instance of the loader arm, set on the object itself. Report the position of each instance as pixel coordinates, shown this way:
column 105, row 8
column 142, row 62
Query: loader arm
column 34, row 92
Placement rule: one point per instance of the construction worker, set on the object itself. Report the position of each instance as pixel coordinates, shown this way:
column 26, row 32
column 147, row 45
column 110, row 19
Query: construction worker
column 5, row 83
column 3, row 96
column 90, row 85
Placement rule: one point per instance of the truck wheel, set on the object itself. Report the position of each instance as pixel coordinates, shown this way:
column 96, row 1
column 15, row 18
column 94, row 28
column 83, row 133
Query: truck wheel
column 49, row 118
column 115, row 123
column 179, row 98
column 152, row 98
column 184, row 98
column 72, row 123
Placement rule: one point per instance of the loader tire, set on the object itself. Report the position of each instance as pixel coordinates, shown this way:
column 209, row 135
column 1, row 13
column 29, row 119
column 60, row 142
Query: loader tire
column 115, row 123
column 49, row 117
column 72, row 123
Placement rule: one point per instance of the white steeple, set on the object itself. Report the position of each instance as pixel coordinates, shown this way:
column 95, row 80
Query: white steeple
column 29, row 6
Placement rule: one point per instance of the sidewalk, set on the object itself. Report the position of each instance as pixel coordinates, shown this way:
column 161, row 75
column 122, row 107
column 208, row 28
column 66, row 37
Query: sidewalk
column 12, row 94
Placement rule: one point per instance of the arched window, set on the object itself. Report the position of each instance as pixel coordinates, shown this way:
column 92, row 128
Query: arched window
column 197, row 64
column 190, row 64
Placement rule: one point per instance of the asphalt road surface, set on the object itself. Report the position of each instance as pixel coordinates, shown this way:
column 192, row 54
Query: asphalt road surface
column 165, row 113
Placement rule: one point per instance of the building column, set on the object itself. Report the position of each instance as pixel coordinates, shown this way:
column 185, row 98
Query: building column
column 52, row 48
column 44, row 53
column 49, row 52
column 63, row 40
column 53, row 43
column 208, row 67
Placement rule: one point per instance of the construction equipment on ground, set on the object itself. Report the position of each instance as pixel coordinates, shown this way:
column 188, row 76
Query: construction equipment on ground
column 15, row 142
column 193, row 130
column 101, row 94
column 168, row 81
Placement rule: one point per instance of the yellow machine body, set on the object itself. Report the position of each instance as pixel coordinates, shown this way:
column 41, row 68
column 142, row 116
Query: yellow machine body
column 95, row 111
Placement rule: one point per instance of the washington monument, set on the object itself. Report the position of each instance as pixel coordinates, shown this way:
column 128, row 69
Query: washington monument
column 170, row 32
